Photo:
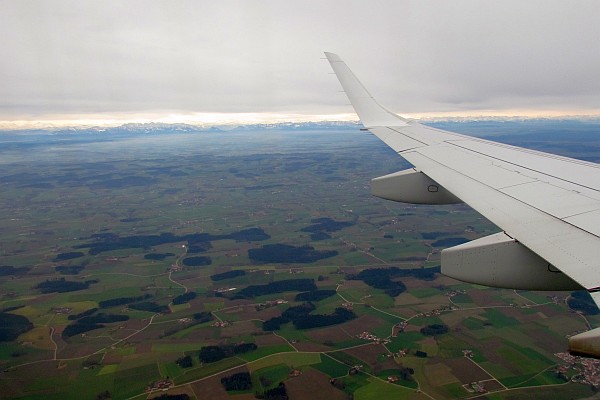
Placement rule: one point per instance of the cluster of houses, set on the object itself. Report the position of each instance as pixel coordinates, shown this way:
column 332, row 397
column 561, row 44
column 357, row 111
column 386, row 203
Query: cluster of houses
column 264, row 271
column 399, row 328
column 162, row 384
column 400, row 353
column 224, row 289
column 270, row 303
column 369, row 336
column 554, row 299
column 587, row 370
column 453, row 293
column 175, row 268
column 437, row 311
column 475, row 387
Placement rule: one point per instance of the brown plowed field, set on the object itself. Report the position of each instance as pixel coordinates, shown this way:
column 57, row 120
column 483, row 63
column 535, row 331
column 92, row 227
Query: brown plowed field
column 313, row 385
column 466, row 371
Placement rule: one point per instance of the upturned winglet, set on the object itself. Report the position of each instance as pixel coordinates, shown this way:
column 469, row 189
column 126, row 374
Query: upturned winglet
column 370, row 112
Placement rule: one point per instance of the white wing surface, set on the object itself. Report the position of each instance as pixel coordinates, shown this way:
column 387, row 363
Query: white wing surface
column 546, row 204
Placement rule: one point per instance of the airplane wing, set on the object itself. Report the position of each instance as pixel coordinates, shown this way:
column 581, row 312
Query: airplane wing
column 548, row 206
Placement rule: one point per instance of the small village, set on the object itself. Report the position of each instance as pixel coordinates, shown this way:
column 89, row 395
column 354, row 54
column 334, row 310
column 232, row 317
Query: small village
column 587, row 370
column 225, row 289
column 457, row 292
column 371, row 337
column 475, row 387
column 269, row 303
column 163, row 384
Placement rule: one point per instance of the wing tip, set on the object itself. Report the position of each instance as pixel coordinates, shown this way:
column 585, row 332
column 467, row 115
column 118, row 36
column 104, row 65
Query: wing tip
column 332, row 57
column 370, row 112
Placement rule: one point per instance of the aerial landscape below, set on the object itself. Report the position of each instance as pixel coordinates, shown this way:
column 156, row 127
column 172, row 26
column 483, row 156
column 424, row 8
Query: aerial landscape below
column 162, row 261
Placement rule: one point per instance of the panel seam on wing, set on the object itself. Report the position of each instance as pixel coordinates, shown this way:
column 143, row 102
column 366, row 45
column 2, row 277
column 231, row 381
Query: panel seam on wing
column 503, row 193
column 521, row 166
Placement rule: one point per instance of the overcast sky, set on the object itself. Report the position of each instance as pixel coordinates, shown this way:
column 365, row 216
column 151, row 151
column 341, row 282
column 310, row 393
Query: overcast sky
column 201, row 60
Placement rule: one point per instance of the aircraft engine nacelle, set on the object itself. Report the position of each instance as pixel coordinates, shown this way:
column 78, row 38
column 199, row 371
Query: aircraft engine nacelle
column 500, row 261
column 586, row 344
column 411, row 186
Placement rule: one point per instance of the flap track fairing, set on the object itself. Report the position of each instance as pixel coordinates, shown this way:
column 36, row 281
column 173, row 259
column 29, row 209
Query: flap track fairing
column 411, row 186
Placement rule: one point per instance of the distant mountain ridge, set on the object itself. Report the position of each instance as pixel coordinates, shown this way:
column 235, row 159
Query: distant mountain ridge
column 158, row 127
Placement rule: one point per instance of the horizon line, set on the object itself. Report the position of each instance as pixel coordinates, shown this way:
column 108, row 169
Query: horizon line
column 240, row 119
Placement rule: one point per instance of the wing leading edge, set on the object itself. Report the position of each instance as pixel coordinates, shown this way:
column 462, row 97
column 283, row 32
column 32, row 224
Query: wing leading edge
column 547, row 205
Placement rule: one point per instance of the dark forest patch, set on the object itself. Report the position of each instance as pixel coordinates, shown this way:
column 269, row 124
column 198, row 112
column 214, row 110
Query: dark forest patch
column 315, row 237
column 69, row 269
column 61, row 285
column 102, row 242
column 198, row 261
column 198, row 247
column 582, row 301
column 86, row 313
column 67, row 256
column 434, row 330
column 11, row 326
column 287, row 285
column 228, row 275
column 210, row 354
column 184, row 298
column 326, row 225
column 158, row 256
column 283, row 253
column 449, row 242
column 119, row 301
column 239, row 381
column 302, row 319
column 149, row 306
column 382, row 278
column 7, row 270
column 102, row 318
column 315, row 295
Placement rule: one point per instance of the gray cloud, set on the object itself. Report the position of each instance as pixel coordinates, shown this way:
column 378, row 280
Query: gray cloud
column 73, row 57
